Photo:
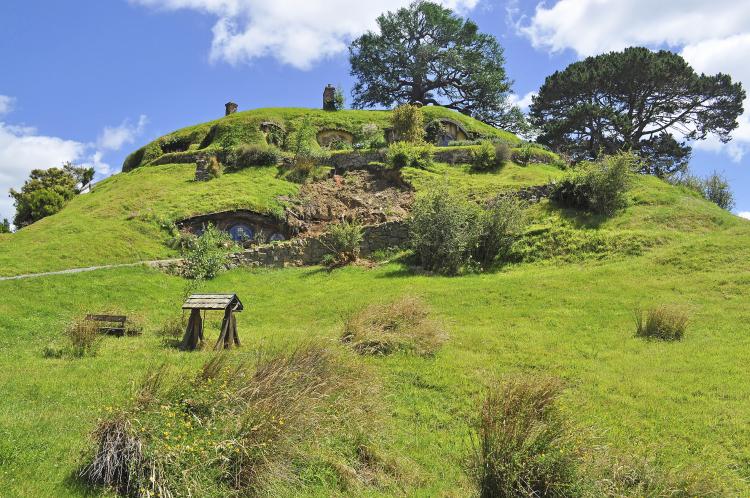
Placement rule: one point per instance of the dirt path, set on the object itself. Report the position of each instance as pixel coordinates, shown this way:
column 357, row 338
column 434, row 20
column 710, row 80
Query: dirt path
column 85, row 269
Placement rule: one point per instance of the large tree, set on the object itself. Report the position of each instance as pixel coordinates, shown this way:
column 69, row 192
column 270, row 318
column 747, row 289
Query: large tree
column 651, row 103
column 425, row 54
column 47, row 190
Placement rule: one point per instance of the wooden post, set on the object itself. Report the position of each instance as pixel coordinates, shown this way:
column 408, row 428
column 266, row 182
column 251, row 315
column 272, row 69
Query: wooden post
column 194, row 331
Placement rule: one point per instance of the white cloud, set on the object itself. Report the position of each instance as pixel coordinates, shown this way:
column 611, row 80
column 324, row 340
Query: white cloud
column 114, row 137
column 295, row 32
column 6, row 104
column 744, row 214
column 522, row 102
column 21, row 150
column 712, row 36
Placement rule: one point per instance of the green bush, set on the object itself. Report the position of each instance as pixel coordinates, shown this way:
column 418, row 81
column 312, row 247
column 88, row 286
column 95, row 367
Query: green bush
column 215, row 168
column 714, row 188
column 370, row 137
column 524, row 449
column 343, row 241
column 667, row 323
column 599, row 187
column 443, row 230
column 407, row 122
column 403, row 154
column 501, row 224
column 489, row 156
column 246, row 156
column 209, row 254
column 528, row 153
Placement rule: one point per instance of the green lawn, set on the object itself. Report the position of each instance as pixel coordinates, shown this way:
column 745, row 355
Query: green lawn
column 683, row 404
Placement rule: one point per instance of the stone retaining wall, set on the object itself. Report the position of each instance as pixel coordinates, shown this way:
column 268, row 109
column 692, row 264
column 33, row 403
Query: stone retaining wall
column 311, row 250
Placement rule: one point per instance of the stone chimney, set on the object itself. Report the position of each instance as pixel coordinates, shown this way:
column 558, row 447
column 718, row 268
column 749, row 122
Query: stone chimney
column 231, row 108
column 329, row 98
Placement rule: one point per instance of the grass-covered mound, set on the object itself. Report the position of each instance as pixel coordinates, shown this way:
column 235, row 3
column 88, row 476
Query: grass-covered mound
column 245, row 128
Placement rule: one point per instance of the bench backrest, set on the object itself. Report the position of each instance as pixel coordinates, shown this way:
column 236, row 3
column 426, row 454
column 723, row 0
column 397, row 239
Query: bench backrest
column 107, row 318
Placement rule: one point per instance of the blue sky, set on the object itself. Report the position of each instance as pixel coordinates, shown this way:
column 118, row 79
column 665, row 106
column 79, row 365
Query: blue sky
column 90, row 81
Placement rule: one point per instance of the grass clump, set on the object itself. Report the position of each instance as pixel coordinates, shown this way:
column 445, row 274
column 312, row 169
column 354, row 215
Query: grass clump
column 665, row 322
column 82, row 336
column 599, row 187
column 490, row 156
column 234, row 429
column 249, row 155
column 401, row 325
column 343, row 240
column 523, row 447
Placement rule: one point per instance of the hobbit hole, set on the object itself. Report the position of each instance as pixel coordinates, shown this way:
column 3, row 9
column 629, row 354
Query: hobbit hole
column 243, row 226
column 274, row 133
column 327, row 138
column 443, row 131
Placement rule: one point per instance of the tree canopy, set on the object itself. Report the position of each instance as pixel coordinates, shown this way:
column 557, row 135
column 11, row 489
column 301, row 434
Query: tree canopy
column 425, row 54
column 650, row 103
column 47, row 190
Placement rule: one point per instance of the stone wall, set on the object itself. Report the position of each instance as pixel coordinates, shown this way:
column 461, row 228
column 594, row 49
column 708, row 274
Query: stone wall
column 312, row 250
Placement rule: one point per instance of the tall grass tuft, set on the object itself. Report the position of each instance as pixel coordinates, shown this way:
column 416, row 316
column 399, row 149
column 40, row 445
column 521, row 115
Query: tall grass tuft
column 665, row 322
column 83, row 337
column 236, row 428
column 523, row 446
column 401, row 325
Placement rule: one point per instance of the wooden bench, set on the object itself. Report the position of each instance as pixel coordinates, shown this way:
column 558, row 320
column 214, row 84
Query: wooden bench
column 114, row 324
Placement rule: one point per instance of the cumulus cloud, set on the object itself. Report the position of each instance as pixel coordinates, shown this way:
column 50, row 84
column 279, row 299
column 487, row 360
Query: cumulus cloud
column 744, row 214
column 295, row 32
column 521, row 101
column 23, row 148
column 6, row 104
column 712, row 36
column 114, row 137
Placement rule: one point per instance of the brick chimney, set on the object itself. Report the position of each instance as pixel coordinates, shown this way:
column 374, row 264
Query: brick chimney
column 329, row 98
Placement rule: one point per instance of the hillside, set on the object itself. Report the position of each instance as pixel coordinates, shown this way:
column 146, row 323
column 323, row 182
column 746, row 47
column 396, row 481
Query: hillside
column 565, row 309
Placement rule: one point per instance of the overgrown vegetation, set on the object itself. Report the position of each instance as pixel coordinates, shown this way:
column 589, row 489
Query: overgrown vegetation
column 665, row 322
column 343, row 240
column 208, row 254
column 450, row 233
column 82, row 336
column 714, row 188
column 249, row 155
column 407, row 124
column 404, row 324
column 240, row 429
column 599, row 187
column 490, row 156
column 403, row 154
column 523, row 445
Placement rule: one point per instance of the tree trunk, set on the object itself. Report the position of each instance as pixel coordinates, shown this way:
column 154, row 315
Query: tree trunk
column 194, row 332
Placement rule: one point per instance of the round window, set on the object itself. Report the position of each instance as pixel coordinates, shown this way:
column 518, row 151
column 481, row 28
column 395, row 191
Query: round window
column 241, row 233
column 276, row 237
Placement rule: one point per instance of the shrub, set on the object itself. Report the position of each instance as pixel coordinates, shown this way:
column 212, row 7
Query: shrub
column 501, row 224
column 183, row 240
column 407, row 123
column 714, row 188
column 667, row 323
column 523, row 447
column 443, row 230
column 214, row 168
column 489, row 156
column 403, row 154
column 209, row 256
column 246, row 156
column 307, row 166
column 343, row 241
column 401, row 325
column 83, row 337
column 370, row 137
column 599, row 187
column 235, row 429
column 528, row 153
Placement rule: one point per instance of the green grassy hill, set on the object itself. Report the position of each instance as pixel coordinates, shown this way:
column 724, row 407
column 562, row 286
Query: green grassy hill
column 566, row 311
